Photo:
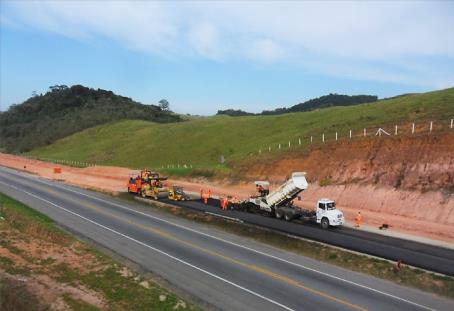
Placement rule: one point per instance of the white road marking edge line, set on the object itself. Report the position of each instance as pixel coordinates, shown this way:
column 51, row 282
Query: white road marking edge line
column 155, row 249
column 242, row 246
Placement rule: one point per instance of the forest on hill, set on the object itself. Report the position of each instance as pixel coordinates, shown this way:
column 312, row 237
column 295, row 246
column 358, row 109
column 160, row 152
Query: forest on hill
column 62, row 111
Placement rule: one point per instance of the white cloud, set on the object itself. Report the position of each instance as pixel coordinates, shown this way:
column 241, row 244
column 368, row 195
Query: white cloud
column 265, row 50
column 206, row 41
column 383, row 41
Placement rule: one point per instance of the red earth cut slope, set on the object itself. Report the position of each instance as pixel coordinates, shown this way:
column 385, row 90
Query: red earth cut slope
column 405, row 182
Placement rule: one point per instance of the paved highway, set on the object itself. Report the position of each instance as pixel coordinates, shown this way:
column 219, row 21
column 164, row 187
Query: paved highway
column 223, row 270
column 413, row 253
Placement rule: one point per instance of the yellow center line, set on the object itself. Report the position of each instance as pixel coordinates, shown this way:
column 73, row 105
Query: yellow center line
column 252, row 267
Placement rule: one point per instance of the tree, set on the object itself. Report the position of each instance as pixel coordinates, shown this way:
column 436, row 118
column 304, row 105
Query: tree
column 164, row 104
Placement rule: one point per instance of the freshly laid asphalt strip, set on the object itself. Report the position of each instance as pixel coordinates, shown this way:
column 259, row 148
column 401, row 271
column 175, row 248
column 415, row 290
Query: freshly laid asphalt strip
column 430, row 257
column 223, row 270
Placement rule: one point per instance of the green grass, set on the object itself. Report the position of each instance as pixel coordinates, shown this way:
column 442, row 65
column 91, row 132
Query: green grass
column 78, row 305
column 202, row 141
column 120, row 292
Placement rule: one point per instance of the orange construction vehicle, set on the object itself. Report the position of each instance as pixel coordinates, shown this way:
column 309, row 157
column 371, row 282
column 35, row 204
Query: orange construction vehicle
column 147, row 183
column 135, row 185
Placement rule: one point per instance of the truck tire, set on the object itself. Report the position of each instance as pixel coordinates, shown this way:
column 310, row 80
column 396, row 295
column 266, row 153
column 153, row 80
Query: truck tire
column 278, row 213
column 288, row 216
column 324, row 223
column 143, row 194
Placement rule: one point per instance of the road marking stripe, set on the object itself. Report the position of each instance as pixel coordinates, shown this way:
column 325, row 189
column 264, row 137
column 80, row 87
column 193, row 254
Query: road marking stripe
column 255, row 268
column 244, row 247
column 156, row 250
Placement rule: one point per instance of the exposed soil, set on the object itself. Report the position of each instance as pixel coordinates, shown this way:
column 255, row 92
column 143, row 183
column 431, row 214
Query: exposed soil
column 405, row 182
column 32, row 252
column 44, row 268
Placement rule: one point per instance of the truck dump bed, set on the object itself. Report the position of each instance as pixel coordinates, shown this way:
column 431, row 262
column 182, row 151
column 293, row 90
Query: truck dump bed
column 288, row 190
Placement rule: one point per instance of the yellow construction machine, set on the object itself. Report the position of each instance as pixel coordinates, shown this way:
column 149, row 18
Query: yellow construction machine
column 176, row 193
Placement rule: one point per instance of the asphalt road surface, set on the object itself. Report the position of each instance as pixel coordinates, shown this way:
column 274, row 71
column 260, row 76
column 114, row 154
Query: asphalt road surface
column 223, row 270
column 431, row 257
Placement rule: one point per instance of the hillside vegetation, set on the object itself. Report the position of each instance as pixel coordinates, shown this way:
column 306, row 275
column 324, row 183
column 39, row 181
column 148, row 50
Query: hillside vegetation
column 331, row 100
column 202, row 141
column 42, row 119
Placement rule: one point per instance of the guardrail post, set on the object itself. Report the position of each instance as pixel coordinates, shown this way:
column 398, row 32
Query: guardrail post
column 323, row 137
column 299, row 141
column 336, row 136
column 350, row 134
column 395, row 130
column 413, row 128
column 431, row 123
column 311, row 139
column 289, row 143
column 279, row 146
column 269, row 148
column 452, row 122
column 365, row 133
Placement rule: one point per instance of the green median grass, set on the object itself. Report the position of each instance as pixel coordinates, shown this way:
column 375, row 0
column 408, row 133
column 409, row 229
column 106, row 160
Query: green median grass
column 201, row 141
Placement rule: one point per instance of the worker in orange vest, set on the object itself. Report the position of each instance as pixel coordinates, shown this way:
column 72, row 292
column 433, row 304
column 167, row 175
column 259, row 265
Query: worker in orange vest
column 225, row 203
column 205, row 198
column 358, row 220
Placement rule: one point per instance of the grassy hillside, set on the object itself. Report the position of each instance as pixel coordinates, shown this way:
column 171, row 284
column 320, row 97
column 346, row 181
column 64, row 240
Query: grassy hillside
column 42, row 119
column 202, row 141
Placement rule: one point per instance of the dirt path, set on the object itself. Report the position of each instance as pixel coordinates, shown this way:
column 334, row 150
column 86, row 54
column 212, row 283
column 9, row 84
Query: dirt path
column 424, row 214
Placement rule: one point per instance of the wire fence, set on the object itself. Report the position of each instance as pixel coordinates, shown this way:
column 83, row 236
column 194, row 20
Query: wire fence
column 407, row 129
column 73, row 163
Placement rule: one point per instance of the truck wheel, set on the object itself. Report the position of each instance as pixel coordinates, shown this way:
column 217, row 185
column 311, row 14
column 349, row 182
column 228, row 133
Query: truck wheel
column 143, row 194
column 278, row 213
column 324, row 223
column 288, row 216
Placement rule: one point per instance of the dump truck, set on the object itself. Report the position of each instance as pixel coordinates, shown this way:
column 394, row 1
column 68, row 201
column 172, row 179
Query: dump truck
column 279, row 203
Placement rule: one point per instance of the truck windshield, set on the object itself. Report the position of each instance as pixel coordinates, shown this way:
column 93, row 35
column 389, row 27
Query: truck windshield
column 331, row 206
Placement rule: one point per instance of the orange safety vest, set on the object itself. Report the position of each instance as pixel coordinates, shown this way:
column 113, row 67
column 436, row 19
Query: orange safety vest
column 358, row 220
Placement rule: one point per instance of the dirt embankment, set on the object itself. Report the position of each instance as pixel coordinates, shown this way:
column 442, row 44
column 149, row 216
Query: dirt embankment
column 406, row 182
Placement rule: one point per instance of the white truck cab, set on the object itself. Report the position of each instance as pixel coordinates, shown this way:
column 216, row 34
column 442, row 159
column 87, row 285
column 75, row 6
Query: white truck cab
column 328, row 214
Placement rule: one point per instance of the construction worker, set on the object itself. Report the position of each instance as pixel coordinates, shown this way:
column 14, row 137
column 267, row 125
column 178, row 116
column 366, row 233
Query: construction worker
column 358, row 220
column 226, row 203
column 209, row 193
column 223, row 202
column 205, row 198
column 201, row 194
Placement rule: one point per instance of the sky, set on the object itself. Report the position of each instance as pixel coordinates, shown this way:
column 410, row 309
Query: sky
column 207, row 55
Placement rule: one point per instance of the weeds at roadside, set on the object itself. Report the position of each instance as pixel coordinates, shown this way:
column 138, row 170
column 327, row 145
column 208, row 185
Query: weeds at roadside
column 98, row 273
